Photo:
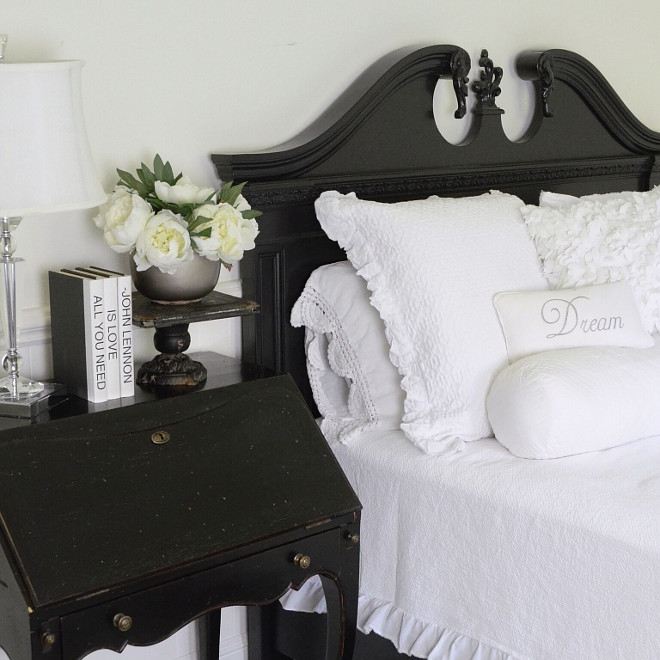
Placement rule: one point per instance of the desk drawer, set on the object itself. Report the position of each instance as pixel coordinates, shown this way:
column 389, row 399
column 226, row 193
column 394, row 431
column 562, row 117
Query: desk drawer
column 154, row 614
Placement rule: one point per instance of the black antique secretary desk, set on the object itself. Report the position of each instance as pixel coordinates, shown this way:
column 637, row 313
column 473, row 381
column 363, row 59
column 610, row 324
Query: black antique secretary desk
column 121, row 526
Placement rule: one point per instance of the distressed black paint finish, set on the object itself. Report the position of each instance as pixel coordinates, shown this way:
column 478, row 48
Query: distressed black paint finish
column 166, row 510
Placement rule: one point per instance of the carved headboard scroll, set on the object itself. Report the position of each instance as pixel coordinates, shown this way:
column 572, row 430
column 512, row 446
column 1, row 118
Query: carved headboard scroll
column 587, row 81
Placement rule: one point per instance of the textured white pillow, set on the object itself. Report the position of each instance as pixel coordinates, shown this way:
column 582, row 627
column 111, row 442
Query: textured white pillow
column 576, row 400
column 354, row 384
column 433, row 267
column 603, row 239
column 562, row 200
column 598, row 315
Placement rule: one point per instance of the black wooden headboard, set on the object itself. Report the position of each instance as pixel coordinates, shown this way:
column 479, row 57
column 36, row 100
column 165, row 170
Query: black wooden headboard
column 380, row 140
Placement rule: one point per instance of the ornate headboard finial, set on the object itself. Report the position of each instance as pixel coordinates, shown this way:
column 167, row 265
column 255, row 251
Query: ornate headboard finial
column 460, row 68
column 545, row 68
column 488, row 85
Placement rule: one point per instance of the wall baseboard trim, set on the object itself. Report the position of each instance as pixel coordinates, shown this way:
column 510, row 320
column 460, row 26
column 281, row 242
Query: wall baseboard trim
column 34, row 326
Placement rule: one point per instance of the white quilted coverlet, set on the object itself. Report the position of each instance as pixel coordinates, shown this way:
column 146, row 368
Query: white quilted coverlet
column 481, row 554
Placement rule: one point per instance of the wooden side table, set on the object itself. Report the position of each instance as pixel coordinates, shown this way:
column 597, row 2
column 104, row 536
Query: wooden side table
column 119, row 527
column 172, row 367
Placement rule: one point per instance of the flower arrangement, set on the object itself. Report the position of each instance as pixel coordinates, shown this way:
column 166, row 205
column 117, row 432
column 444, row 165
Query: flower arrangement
column 165, row 219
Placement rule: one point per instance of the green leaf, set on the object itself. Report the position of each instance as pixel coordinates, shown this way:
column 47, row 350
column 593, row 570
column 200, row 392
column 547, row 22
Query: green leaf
column 168, row 174
column 199, row 220
column 205, row 233
column 229, row 193
column 251, row 213
column 155, row 202
column 163, row 171
column 159, row 168
column 131, row 182
column 146, row 176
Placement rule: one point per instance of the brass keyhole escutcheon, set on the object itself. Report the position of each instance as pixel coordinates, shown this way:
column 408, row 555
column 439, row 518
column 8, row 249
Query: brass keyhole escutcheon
column 123, row 622
column 302, row 561
column 160, row 437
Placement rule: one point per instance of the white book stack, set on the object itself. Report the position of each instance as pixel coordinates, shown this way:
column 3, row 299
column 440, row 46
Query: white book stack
column 80, row 338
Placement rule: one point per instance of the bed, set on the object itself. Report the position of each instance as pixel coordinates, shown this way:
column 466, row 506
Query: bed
column 523, row 558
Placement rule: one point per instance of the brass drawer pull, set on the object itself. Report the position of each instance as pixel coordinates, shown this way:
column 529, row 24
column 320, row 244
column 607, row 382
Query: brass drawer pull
column 123, row 622
column 48, row 638
column 302, row 561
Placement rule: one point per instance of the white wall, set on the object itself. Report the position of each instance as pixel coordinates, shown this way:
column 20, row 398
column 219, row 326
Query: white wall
column 186, row 79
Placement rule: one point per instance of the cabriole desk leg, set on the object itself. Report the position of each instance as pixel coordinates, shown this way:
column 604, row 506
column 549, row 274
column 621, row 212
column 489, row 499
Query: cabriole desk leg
column 341, row 598
column 208, row 630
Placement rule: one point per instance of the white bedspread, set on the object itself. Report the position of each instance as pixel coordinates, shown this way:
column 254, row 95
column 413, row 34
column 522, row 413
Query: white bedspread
column 484, row 555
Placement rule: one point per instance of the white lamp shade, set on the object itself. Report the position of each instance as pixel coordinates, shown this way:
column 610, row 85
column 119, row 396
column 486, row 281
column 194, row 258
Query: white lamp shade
column 45, row 160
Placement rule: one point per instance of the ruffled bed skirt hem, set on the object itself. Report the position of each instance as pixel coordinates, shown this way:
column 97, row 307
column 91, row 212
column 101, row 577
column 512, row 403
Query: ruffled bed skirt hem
column 409, row 636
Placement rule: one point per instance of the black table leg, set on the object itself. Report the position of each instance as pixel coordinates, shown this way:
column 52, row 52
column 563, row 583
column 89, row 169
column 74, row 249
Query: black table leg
column 208, row 629
column 341, row 599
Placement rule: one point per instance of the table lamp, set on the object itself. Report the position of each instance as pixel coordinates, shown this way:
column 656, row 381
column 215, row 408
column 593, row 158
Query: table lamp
column 45, row 167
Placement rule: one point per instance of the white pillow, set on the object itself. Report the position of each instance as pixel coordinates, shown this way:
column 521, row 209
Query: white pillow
column 354, row 384
column 433, row 267
column 562, row 200
column 599, row 315
column 603, row 239
column 576, row 400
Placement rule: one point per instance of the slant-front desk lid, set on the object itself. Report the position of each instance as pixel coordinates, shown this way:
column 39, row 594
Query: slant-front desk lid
column 98, row 500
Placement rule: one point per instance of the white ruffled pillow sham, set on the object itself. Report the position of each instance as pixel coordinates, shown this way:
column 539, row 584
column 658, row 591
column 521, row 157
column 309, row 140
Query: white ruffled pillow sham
column 576, row 400
column 355, row 385
column 598, row 315
column 603, row 238
column 433, row 267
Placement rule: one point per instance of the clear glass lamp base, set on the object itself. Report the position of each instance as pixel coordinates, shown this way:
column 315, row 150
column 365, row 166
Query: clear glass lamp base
column 25, row 388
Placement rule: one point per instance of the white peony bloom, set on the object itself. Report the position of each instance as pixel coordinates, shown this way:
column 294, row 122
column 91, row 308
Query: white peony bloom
column 164, row 243
column 242, row 204
column 231, row 233
column 122, row 218
column 182, row 192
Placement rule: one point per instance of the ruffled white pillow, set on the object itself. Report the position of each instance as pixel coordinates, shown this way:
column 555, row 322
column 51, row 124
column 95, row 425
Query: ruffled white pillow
column 603, row 238
column 576, row 400
column 355, row 385
column 562, row 200
column 433, row 267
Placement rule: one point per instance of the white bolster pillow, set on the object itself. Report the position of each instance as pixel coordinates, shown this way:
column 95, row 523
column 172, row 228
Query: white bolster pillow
column 575, row 400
